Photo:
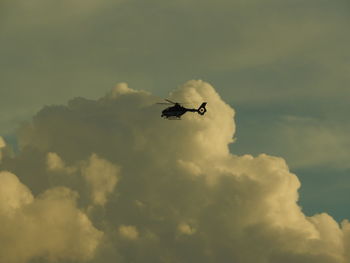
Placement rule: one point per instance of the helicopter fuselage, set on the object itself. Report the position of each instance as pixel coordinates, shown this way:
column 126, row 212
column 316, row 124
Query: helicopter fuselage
column 175, row 111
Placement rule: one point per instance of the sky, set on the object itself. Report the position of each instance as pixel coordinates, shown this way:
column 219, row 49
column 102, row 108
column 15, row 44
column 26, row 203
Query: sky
column 283, row 66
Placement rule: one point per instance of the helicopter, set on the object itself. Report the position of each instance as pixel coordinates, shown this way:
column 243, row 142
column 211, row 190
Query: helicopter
column 175, row 112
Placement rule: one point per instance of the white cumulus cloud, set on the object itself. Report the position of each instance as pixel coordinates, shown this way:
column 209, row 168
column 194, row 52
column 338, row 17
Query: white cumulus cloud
column 171, row 187
column 49, row 226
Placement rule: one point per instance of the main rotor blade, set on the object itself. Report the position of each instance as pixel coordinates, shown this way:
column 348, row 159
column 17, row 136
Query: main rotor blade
column 170, row 101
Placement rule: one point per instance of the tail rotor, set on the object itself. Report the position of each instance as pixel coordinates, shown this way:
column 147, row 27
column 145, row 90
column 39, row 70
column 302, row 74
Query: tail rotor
column 202, row 110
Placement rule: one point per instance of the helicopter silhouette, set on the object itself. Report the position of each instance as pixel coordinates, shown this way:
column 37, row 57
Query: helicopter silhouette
column 175, row 112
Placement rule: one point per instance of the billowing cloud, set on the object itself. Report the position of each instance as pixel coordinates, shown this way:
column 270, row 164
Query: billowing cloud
column 162, row 191
column 48, row 226
column 101, row 178
column 54, row 162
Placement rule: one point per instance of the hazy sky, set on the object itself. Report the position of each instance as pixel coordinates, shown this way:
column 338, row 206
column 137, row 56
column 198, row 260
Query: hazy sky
column 282, row 65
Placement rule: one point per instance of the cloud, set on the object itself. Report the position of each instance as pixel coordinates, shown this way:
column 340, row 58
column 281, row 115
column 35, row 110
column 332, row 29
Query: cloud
column 49, row 226
column 128, row 232
column 268, row 54
column 54, row 162
column 324, row 143
column 186, row 229
column 307, row 141
column 101, row 178
column 13, row 194
column 162, row 191
column 2, row 145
